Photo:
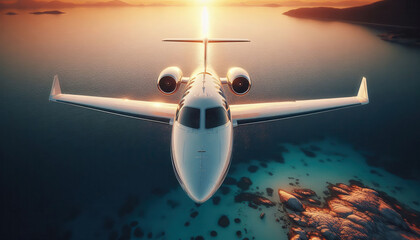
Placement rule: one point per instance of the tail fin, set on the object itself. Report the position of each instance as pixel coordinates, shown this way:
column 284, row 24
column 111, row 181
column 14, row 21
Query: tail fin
column 205, row 41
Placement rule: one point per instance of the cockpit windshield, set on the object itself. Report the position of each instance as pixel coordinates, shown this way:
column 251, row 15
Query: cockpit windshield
column 215, row 117
column 190, row 117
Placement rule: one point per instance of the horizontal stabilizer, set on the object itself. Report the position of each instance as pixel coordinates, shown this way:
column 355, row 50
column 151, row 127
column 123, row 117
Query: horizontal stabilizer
column 227, row 40
column 203, row 40
column 188, row 40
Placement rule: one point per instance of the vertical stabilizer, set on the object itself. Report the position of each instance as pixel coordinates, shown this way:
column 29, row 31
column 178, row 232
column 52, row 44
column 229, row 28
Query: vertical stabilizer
column 206, row 41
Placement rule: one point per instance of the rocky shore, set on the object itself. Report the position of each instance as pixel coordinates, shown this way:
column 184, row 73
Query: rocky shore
column 402, row 36
column 402, row 17
column 349, row 212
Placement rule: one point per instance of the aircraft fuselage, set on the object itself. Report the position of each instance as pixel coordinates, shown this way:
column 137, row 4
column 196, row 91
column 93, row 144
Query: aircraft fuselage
column 202, row 137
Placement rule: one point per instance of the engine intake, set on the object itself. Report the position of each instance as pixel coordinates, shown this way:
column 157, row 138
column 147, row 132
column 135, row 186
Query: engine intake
column 238, row 81
column 169, row 80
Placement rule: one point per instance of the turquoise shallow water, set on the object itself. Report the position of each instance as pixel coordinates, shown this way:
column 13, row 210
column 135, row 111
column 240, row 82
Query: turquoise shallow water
column 64, row 168
column 331, row 162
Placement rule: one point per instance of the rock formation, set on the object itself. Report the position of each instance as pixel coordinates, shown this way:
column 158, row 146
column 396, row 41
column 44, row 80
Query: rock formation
column 253, row 200
column 350, row 212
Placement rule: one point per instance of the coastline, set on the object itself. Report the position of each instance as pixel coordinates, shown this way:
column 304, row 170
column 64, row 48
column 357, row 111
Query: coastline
column 406, row 35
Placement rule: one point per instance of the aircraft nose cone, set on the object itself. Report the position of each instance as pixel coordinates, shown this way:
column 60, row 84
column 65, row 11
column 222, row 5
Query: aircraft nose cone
column 202, row 183
column 201, row 193
column 201, row 172
column 202, row 178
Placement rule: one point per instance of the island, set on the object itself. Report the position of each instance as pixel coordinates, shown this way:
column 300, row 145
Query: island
column 401, row 18
column 31, row 4
column 55, row 12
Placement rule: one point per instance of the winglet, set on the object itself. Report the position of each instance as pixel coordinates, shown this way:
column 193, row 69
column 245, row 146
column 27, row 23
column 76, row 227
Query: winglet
column 362, row 95
column 55, row 89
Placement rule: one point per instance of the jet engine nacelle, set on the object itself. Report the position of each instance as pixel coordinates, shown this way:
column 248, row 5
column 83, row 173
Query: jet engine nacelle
column 238, row 81
column 169, row 80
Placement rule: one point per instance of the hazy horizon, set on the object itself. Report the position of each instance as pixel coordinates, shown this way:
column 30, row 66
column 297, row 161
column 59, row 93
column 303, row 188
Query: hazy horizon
column 28, row 4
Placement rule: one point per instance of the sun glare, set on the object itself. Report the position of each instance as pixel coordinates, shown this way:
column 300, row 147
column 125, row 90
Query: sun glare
column 205, row 22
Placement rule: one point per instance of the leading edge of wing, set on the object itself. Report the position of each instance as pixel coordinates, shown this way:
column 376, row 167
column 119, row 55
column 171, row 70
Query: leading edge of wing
column 244, row 114
column 144, row 110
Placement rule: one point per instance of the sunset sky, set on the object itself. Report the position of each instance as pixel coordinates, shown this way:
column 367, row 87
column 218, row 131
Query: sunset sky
column 210, row 2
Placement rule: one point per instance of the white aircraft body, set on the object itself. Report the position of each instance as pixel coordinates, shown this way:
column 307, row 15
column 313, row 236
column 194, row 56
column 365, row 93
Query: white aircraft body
column 202, row 122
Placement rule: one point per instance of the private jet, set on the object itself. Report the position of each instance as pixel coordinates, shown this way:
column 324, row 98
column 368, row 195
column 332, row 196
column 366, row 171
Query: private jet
column 203, row 121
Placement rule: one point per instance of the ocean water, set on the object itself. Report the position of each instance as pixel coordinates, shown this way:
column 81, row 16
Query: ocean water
column 170, row 213
column 65, row 171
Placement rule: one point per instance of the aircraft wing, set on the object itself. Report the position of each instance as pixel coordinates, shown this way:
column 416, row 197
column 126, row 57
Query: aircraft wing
column 243, row 114
column 150, row 111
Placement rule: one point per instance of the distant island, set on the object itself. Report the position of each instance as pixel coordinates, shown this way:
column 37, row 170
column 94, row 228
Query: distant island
column 272, row 5
column 401, row 16
column 30, row 4
column 48, row 12
column 387, row 12
column 10, row 13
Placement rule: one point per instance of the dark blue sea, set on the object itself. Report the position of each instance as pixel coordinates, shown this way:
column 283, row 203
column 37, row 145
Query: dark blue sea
column 71, row 173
